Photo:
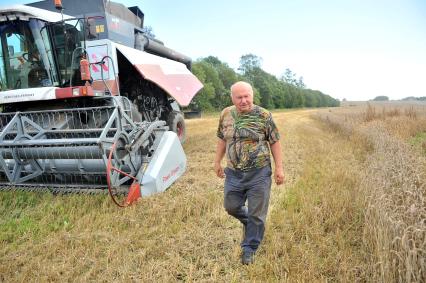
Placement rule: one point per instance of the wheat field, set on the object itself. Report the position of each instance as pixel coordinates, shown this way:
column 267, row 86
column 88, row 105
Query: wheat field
column 322, row 225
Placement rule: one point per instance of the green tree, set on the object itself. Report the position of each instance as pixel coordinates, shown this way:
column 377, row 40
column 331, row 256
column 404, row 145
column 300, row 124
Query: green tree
column 269, row 92
column 300, row 83
column 249, row 62
column 381, row 98
column 203, row 99
column 289, row 77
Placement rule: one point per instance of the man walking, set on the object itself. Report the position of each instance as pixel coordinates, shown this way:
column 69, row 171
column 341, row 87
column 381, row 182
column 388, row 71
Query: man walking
column 246, row 132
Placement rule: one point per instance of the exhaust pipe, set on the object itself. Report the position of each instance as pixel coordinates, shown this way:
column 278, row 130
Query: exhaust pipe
column 156, row 47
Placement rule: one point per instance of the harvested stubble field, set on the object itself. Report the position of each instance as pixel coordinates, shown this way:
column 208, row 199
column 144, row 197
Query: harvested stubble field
column 352, row 209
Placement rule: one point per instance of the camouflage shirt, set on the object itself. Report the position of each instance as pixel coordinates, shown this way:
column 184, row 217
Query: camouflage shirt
column 247, row 136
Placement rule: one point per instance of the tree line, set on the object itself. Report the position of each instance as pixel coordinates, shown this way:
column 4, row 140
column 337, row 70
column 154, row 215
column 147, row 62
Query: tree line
column 270, row 92
column 413, row 98
column 409, row 98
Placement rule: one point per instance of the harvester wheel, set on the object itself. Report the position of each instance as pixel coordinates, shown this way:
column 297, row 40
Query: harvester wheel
column 176, row 123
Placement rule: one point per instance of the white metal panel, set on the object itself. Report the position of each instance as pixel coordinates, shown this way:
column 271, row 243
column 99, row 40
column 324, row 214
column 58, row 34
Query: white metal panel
column 27, row 94
column 166, row 166
column 33, row 12
column 98, row 49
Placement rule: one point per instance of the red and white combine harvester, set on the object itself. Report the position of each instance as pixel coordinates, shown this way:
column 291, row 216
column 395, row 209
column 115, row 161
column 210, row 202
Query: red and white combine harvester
column 89, row 101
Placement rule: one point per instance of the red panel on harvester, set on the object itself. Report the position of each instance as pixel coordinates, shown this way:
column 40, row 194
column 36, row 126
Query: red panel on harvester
column 181, row 87
column 173, row 77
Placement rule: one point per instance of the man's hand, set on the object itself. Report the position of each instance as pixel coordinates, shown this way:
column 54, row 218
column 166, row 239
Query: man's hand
column 219, row 170
column 220, row 152
column 279, row 172
column 279, row 176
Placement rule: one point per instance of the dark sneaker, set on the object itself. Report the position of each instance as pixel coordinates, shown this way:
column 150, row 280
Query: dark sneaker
column 247, row 257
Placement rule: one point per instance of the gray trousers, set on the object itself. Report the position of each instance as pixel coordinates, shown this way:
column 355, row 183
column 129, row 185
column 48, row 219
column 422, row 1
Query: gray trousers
column 253, row 186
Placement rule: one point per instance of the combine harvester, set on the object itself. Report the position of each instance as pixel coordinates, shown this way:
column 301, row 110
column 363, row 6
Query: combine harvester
column 89, row 102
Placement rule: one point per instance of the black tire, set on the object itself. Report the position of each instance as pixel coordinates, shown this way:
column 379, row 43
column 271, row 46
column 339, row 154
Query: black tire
column 176, row 123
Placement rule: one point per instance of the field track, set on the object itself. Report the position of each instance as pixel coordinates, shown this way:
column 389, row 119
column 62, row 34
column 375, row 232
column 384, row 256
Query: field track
column 185, row 234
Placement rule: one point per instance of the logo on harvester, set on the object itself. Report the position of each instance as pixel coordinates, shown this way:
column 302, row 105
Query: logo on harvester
column 171, row 174
column 19, row 95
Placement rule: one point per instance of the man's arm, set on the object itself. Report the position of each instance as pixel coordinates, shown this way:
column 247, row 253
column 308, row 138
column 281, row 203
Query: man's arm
column 220, row 152
column 278, row 160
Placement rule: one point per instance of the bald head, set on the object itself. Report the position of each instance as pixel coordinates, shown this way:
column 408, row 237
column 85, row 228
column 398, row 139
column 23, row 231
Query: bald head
column 241, row 86
column 242, row 96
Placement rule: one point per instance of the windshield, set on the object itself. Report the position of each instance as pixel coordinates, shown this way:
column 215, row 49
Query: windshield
column 36, row 54
column 67, row 42
column 25, row 59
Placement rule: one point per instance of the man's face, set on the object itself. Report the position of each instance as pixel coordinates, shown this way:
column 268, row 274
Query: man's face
column 242, row 98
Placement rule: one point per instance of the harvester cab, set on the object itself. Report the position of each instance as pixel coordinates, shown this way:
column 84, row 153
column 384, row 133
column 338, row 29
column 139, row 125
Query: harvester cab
column 89, row 101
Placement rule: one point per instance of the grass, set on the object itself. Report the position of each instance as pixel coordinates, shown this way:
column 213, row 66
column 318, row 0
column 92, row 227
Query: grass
column 322, row 225
column 419, row 141
column 319, row 219
column 392, row 180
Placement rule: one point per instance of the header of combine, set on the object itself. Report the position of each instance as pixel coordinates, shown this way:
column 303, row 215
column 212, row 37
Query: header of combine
column 88, row 100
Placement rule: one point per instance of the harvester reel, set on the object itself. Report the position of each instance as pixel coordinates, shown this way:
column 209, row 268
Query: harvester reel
column 21, row 125
column 120, row 168
column 20, row 164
